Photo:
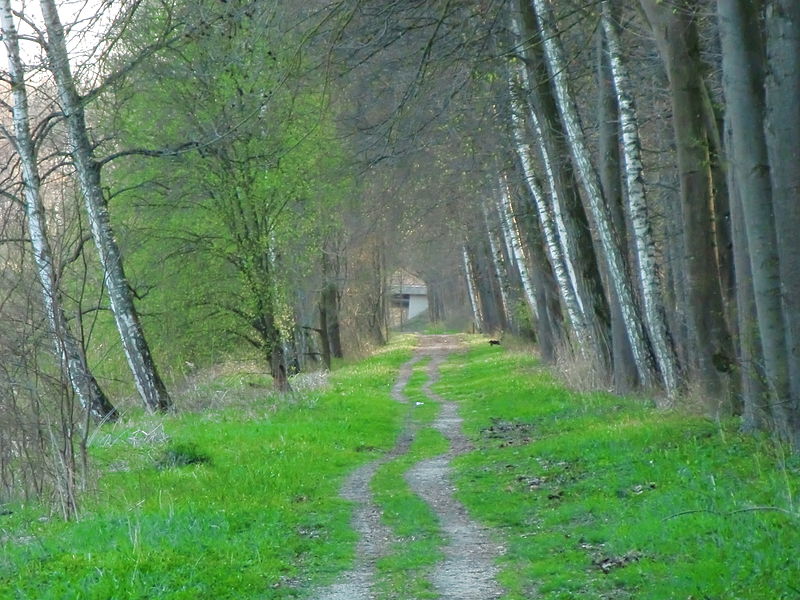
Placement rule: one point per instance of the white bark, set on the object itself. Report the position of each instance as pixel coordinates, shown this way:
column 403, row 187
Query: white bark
column 649, row 276
column 148, row 383
column 474, row 300
column 511, row 234
column 594, row 194
column 554, row 249
column 557, row 201
column 498, row 264
column 67, row 346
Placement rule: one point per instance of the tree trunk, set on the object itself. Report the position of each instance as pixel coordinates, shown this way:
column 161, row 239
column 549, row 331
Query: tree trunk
column 645, row 365
column 652, row 295
column 67, row 345
column 472, row 288
column 677, row 40
column 148, row 382
column 331, row 301
column 782, row 125
column 752, row 381
column 624, row 375
column 570, row 215
column 323, row 334
column 743, row 81
column 500, row 269
column 511, row 235
column 550, row 234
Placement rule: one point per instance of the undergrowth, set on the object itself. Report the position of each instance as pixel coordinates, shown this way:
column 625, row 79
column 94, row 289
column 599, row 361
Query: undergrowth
column 603, row 497
column 222, row 503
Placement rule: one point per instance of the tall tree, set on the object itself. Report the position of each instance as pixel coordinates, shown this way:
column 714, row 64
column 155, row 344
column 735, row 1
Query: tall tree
column 744, row 73
column 642, row 352
column 652, row 295
column 67, row 345
column 675, row 30
column 146, row 377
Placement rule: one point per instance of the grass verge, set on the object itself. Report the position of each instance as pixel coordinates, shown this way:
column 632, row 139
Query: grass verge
column 225, row 503
column 602, row 497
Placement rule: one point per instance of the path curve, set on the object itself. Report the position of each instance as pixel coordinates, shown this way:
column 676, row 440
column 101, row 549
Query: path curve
column 374, row 537
column 468, row 571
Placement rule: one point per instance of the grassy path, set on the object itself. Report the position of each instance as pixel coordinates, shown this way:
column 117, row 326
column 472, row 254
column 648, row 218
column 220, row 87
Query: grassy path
column 596, row 496
column 467, row 571
column 463, row 567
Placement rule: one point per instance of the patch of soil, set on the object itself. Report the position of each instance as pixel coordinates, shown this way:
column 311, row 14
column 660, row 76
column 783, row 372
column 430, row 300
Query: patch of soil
column 508, row 433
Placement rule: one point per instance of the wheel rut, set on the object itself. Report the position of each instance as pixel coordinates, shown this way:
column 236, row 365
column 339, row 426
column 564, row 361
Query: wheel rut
column 467, row 571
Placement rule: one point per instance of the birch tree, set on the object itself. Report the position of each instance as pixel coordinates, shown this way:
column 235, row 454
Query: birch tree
column 146, row 377
column 572, row 225
column 67, row 345
column 654, row 310
column 513, row 241
column 640, row 345
column 554, row 251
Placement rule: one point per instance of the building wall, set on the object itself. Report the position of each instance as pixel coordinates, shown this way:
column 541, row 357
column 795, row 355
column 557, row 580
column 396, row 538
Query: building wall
column 417, row 305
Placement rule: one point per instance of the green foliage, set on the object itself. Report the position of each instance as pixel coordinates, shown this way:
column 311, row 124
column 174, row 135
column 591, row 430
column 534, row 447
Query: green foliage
column 226, row 232
column 602, row 497
column 253, row 521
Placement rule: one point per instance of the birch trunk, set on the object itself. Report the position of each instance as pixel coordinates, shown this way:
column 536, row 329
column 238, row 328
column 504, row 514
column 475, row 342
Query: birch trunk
column 477, row 312
column 645, row 365
column 624, row 374
column 743, row 83
column 148, row 382
column 499, row 267
column 554, row 251
column 512, row 237
column 570, row 215
column 67, row 346
column 654, row 312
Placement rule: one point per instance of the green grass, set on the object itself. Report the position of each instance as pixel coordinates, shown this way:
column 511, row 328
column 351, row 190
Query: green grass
column 602, row 497
column 595, row 496
column 227, row 503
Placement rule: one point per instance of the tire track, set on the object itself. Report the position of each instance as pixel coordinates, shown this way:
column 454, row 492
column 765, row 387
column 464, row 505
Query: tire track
column 374, row 537
column 468, row 571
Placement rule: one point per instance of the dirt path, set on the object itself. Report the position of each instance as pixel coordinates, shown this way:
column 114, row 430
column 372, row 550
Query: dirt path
column 467, row 571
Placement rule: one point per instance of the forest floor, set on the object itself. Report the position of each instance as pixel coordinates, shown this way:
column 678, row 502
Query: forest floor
column 439, row 468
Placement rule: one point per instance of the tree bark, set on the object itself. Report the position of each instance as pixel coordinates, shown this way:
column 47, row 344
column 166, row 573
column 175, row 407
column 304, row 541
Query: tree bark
column 624, row 374
column 330, row 299
column 782, row 126
column 472, row 288
column 554, row 250
column 646, row 367
column 148, row 382
column 500, row 269
column 649, row 275
column 743, row 81
column 570, row 215
column 67, row 345
column 511, row 235
column 676, row 36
